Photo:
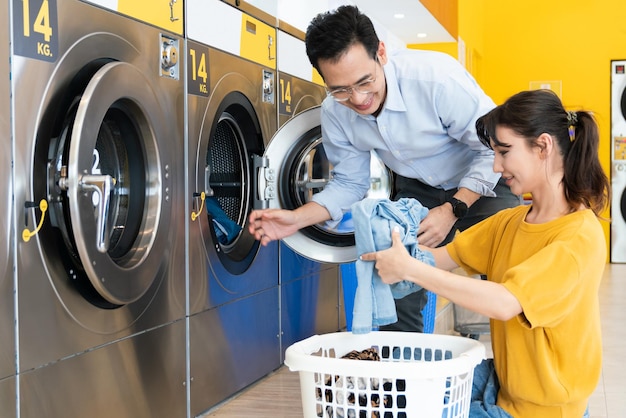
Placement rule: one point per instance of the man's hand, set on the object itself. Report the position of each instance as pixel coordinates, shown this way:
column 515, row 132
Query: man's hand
column 268, row 225
column 436, row 226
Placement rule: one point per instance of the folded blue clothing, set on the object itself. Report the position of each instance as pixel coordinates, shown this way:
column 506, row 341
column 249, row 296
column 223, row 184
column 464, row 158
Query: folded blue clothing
column 374, row 219
column 226, row 230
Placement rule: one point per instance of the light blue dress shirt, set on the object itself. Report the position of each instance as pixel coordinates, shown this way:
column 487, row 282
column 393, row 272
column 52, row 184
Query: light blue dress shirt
column 426, row 131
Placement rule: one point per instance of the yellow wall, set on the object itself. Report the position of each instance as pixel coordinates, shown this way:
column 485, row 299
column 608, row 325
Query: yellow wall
column 510, row 45
column 572, row 41
column 471, row 32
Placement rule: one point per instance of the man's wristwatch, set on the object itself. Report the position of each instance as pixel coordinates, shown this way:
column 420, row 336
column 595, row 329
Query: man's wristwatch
column 459, row 208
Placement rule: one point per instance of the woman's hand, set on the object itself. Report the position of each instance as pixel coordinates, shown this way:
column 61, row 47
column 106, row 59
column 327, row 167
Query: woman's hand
column 392, row 264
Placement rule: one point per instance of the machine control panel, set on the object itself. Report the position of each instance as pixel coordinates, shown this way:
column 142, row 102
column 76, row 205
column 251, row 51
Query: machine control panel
column 619, row 148
column 169, row 57
column 268, row 86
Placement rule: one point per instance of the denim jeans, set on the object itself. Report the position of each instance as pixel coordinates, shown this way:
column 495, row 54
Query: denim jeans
column 485, row 387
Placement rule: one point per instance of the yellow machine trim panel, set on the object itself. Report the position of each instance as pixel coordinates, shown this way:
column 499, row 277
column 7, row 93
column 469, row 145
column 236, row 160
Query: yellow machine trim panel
column 165, row 14
column 258, row 41
column 317, row 78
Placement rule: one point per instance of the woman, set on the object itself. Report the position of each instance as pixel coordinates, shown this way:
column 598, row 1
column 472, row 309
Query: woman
column 544, row 261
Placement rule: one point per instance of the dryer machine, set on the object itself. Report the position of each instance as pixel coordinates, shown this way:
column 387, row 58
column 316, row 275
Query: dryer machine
column 234, row 307
column 310, row 301
column 618, row 161
column 97, row 108
column 7, row 318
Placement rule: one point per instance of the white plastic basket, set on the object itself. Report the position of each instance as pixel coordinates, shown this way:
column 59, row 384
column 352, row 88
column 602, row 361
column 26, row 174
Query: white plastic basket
column 419, row 375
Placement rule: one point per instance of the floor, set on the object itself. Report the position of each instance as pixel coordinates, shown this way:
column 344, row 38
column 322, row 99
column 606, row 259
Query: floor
column 278, row 395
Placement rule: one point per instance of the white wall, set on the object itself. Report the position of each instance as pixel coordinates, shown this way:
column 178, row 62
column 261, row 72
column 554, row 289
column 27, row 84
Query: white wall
column 298, row 13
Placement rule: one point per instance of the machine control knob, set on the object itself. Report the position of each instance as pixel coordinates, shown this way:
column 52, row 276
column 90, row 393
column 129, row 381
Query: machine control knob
column 169, row 56
column 268, row 85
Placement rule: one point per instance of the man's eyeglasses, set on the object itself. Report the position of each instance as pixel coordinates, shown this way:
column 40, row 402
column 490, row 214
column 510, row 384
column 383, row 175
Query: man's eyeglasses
column 364, row 87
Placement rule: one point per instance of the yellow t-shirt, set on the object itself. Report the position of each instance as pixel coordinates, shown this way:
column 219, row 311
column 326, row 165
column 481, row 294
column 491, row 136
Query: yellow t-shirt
column 548, row 359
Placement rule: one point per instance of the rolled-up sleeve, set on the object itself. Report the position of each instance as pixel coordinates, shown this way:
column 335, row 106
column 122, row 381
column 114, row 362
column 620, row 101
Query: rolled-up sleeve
column 350, row 168
column 460, row 102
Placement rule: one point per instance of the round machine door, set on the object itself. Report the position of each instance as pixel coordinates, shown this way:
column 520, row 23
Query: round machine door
column 623, row 103
column 106, row 186
column 298, row 168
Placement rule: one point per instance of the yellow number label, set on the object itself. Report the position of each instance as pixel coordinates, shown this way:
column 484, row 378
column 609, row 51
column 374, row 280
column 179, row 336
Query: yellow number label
column 198, row 69
column 42, row 21
column 285, row 91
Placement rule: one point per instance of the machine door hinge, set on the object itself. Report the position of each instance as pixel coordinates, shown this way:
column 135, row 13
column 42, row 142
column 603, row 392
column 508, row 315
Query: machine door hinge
column 266, row 182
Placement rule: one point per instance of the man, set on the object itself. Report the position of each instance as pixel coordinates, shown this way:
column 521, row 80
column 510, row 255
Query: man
column 417, row 110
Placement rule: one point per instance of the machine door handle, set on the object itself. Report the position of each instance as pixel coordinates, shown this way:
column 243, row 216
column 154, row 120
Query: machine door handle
column 101, row 186
column 172, row 18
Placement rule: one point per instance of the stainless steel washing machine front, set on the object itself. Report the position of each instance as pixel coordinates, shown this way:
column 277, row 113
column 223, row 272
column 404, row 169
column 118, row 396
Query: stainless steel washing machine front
column 7, row 239
column 618, row 161
column 97, row 110
column 233, row 281
column 299, row 86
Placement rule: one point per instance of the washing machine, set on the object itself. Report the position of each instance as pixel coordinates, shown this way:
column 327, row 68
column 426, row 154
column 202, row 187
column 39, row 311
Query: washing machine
column 233, row 281
column 618, row 161
column 98, row 129
column 310, row 302
column 7, row 317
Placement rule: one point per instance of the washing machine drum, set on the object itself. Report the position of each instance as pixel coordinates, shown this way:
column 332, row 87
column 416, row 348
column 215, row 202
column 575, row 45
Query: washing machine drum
column 104, row 187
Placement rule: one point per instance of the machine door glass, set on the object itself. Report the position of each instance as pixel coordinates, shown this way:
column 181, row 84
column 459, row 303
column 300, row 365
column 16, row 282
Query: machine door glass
column 297, row 168
column 104, row 184
column 623, row 103
column 230, row 146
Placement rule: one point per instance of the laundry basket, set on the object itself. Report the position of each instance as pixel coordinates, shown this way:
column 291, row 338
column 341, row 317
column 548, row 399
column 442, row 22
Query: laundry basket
column 418, row 375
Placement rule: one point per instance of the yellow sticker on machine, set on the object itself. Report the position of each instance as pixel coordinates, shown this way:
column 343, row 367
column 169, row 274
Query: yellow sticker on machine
column 166, row 14
column 619, row 148
column 317, row 78
column 258, row 41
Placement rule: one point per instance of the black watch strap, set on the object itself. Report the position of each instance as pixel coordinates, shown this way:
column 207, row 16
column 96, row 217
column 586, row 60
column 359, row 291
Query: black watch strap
column 459, row 208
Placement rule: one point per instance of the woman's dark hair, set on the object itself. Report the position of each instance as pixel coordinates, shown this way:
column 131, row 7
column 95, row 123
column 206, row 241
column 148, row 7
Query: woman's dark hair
column 330, row 34
column 532, row 113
